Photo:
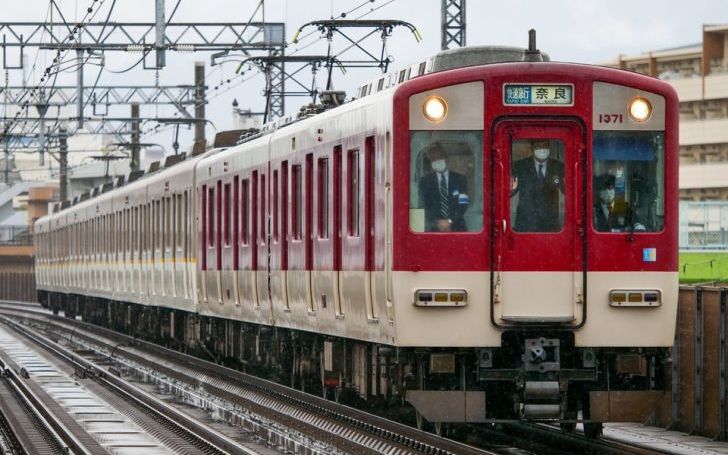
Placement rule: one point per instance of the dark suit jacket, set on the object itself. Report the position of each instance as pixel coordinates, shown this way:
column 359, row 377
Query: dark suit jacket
column 538, row 199
column 619, row 219
column 429, row 191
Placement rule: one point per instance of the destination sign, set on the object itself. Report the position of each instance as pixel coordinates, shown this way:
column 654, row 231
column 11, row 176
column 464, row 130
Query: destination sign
column 538, row 94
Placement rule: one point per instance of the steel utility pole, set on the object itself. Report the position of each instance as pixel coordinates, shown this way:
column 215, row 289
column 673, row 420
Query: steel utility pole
column 42, row 108
column 6, row 143
column 200, row 141
column 79, row 83
column 63, row 161
column 453, row 24
column 135, row 146
column 159, row 34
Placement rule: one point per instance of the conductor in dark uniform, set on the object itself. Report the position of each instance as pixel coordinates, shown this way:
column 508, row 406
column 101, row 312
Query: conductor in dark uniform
column 611, row 215
column 443, row 194
column 539, row 182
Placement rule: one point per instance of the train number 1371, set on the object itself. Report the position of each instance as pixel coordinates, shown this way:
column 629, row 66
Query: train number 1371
column 611, row 118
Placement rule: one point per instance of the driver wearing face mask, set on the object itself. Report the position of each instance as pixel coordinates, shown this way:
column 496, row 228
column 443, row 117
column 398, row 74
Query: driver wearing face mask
column 538, row 180
column 608, row 216
column 443, row 194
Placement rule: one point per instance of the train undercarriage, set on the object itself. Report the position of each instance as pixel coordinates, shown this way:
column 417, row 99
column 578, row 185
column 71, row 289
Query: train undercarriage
column 535, row 375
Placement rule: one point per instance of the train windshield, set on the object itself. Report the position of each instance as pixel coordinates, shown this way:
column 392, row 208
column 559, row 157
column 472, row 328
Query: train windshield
column 537, row 185
column 628, row 181
column 446, row 175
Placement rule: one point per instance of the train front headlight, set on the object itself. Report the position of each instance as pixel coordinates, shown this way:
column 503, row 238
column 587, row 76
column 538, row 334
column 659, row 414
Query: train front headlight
column 435, row 109
column 640, row 109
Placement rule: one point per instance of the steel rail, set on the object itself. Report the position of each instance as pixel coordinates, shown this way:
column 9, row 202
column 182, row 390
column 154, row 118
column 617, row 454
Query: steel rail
column 538, row 435
column 37, row 404
column 221, row 380
column 172, row 417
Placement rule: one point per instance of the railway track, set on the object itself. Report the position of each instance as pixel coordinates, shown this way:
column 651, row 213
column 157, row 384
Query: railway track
column 284, row 417
column 28, row 426
column 287, row 418
column 157, row 426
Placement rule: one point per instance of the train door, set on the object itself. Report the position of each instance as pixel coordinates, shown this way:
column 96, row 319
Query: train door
column 539, row 200
column 370, row 225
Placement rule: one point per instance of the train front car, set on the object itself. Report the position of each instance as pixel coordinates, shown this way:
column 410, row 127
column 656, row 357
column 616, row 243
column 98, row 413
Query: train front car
column 535, row 210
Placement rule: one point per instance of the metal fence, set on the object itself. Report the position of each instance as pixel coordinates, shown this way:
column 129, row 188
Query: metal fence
column 15, row 235
column 703, row 225
column 700, row 363
column 18, row 286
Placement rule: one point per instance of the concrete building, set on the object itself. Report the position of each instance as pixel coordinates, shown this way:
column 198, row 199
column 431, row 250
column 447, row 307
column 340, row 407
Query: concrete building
column 699, row 73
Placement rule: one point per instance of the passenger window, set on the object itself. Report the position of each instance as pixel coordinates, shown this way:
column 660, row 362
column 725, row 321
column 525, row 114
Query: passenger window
column 297, row 215
column 446, row 181
column 323, row 198
column 275, row 205
column 537, row 185
column 353, row 193
column 628, row 181
column 211, row 218
column 226, row 215
column 262, row 189
column 245, row 224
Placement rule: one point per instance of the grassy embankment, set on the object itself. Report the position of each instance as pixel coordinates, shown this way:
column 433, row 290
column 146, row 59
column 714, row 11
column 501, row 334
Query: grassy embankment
column 700, row 267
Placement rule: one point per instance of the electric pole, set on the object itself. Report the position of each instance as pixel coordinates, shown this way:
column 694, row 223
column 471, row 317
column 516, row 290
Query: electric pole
column 63, row 161
column 452, row 30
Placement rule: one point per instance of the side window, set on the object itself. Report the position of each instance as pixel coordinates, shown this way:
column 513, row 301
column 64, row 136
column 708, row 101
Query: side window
column 323, row 198
column 159, row 220
column 170, row 223
column 274, row 207
column 211, row 217
column 446, row 181
column 244, row 214
column 263, row 189
column 226, row 215
column 205, row 223
column 628, row 184
column 537, row 185
column 297, row 193
column 353, row 193
column 235, row 235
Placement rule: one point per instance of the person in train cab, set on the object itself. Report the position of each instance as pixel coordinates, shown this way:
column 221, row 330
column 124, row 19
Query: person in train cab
column 609, row 214
column 443, row 194
column 538, row 180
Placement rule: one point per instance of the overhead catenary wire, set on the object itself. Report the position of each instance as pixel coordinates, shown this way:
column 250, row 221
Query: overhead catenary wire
column 23, row 99
column 146, row 52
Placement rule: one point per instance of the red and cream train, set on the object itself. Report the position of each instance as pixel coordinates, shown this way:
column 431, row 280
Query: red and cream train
column 308, row 247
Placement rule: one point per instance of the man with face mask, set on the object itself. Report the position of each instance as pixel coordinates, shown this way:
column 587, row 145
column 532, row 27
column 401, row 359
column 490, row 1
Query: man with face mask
column 539, row 182
column 608, row 216
column 443, row 194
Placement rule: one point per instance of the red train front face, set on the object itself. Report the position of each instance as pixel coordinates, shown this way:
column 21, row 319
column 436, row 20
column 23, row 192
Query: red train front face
column 536, row 213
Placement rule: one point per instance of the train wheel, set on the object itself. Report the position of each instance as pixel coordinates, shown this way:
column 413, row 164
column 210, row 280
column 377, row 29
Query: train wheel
column 593, row 430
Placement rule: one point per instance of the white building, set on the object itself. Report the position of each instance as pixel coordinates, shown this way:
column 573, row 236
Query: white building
column 699, row 74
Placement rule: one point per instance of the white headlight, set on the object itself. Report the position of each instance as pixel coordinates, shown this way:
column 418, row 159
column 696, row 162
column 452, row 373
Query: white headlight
column 640, row 109
column 435, row 109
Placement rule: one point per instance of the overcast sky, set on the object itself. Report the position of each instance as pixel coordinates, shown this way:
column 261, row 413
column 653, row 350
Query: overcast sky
column 588, row 31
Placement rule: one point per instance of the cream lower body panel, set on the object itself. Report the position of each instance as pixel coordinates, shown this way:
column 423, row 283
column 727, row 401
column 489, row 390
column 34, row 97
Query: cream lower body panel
column 463, row 326
column 347, row 311
column 638, row 326
column 471, row 326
